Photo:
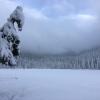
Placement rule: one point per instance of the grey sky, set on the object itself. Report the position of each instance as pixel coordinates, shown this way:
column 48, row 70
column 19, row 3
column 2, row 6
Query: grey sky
column 56, row 26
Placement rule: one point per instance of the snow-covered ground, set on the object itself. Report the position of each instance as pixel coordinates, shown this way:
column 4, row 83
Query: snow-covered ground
column 46, row 84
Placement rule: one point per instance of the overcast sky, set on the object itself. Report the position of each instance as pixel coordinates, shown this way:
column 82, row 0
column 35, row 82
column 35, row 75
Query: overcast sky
column 56, row 26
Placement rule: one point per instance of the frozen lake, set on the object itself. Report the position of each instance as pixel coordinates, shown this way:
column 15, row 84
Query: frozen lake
column 49, row 84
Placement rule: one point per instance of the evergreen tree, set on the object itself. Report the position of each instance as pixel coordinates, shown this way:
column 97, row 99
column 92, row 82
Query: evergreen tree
column 9, row 40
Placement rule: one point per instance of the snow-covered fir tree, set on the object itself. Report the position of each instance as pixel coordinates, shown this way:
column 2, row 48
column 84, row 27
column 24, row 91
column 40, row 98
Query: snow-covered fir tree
column 9, row 40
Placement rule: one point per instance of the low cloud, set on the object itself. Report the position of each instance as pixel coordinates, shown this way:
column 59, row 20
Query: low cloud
column 44, row 33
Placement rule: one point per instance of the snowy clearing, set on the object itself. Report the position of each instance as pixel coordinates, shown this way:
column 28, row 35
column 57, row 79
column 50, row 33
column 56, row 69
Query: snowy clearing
column 46, row 84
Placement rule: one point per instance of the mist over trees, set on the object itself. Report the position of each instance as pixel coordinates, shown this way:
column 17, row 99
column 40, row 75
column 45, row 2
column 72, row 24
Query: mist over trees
column 88, row 59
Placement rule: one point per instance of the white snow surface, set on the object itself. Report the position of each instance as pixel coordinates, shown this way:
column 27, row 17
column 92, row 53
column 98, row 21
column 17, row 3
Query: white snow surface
column 49, row 84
